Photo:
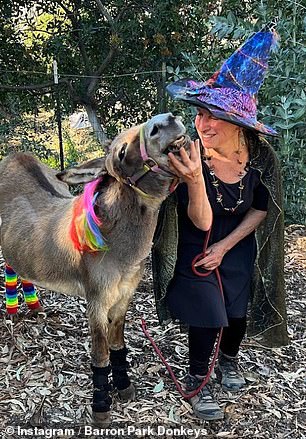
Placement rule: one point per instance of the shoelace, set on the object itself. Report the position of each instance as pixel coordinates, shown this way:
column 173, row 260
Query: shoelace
column 192, row 385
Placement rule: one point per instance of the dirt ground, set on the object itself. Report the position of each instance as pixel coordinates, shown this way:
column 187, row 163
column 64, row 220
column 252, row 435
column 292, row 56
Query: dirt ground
column 45, row 377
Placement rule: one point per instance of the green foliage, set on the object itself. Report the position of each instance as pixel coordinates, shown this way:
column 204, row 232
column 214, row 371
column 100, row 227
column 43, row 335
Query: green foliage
column 79, row 145
column 21, row 135
column 39, row 135
column 136, row 37
column 72, row 156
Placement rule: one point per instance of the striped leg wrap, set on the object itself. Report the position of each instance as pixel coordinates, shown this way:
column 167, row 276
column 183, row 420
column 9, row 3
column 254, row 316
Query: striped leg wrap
column 30, row 295
column 11, row 296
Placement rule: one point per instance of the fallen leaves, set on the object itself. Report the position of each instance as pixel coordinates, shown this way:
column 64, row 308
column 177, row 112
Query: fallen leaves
column 45, row 376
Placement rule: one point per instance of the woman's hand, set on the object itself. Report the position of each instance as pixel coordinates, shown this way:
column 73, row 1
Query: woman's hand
column 190, row 168
column 215, row 254
column 190, row 171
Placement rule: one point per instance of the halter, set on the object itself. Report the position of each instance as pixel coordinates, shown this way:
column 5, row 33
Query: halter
column 149, row 164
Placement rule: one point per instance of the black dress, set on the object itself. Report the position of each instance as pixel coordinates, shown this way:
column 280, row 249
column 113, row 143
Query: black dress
column 195, row 300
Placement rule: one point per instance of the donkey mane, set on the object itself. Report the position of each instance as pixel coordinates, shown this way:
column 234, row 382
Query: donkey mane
column 85, row 227
column 31, row 166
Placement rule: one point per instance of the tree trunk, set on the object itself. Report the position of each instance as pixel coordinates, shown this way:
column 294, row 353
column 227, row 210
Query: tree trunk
column 96, row 125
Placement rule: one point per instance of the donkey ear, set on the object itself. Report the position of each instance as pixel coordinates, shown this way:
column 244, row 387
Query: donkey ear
column 83, row 173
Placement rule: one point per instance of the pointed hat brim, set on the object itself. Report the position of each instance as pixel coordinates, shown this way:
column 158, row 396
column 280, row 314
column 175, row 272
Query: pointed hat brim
column 218, row 102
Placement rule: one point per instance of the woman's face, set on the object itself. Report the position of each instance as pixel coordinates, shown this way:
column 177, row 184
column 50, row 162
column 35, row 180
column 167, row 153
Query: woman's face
column 215, row 133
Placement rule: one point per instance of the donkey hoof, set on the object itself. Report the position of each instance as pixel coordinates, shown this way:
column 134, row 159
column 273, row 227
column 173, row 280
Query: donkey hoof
column 127, row 394
column 34, row 312
column 101, row 419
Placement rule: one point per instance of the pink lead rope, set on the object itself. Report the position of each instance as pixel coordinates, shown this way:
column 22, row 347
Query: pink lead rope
column 158, row 352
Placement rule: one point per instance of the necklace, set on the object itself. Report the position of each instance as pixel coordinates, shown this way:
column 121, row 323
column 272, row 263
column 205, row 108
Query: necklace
column 215, row 181
column 216, row 184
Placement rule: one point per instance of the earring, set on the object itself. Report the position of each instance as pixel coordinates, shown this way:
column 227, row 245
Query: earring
column 241, row 145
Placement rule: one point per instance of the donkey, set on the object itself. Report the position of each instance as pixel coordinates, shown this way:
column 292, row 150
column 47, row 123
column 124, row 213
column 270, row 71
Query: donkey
column 94, row 244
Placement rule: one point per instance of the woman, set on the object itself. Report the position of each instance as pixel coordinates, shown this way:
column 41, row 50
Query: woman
column 232, row 177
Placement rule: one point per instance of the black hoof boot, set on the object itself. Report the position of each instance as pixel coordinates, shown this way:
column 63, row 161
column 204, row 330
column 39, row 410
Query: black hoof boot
column 101, row 397
column 121, row 381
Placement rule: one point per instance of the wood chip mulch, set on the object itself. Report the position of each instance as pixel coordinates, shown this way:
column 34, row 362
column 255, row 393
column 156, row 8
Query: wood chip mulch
column 45, row 377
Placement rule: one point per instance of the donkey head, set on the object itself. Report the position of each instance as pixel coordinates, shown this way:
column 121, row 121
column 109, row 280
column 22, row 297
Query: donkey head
column 138, row 157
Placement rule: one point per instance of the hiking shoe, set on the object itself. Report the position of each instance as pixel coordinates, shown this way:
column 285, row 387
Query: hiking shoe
column 231, row 378
column 203, row 404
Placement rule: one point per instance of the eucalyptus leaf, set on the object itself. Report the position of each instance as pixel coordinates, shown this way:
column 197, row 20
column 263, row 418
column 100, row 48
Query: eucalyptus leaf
column 159, row 387
column 171, row 415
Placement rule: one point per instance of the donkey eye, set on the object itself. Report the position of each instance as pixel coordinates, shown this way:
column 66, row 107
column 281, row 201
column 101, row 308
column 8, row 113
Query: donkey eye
column 122, row 152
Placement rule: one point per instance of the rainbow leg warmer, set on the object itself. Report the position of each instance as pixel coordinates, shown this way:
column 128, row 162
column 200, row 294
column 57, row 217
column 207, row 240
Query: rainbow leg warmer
column 30, row 295
column 11, row 296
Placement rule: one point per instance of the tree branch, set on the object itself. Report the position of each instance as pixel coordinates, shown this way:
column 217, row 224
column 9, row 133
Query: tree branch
column 126, row 9
column 41, row 88
column 94, row 81
column 105, row 13
column 27, row 87
column 76, row 27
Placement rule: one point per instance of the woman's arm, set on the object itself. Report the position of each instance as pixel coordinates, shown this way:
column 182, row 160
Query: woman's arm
column 199, row 210
column 216, row 252
column 190, row 171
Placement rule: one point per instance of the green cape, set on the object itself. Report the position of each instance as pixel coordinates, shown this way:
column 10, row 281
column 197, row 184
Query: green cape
column 267, row 313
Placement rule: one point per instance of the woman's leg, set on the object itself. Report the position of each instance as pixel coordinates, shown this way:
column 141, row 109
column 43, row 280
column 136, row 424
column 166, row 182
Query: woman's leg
column 231, row 377
column 232, row 336
column 201, row 343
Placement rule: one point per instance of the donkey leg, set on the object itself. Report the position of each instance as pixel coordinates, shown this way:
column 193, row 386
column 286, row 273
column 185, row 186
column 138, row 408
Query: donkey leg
column 11, row 296
column 101, row 368
column 118, row 350
column 121, row 380
column 30, row 296
column 118, row 353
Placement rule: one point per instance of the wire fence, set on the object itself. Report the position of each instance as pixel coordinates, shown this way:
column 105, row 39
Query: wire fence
column 122, row 75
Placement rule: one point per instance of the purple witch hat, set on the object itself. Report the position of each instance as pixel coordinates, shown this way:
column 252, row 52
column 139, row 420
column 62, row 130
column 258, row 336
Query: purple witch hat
column 230, row 94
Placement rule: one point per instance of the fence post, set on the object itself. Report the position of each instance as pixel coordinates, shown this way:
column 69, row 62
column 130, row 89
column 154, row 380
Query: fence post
column 163, row 81
column 58, row 114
